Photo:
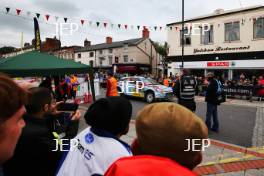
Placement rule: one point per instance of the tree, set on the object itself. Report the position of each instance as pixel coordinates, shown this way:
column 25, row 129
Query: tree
column 7, row 49
column 163, row 50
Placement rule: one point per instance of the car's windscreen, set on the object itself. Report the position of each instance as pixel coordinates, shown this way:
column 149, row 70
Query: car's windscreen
column 150, row 81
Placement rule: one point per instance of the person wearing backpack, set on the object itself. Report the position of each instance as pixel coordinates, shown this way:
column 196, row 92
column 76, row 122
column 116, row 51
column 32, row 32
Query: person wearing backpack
column 211, row 97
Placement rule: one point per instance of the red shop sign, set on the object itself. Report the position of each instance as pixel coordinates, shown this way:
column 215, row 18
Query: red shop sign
column 217, row 64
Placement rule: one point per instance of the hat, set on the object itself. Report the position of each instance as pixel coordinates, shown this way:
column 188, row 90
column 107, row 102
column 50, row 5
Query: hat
column 163, row 129
column 210, row 74
column 111, row 114
column 147, row 165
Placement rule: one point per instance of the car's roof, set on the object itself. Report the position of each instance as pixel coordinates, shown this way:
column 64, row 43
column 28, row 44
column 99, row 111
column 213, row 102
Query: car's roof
column 133, row 77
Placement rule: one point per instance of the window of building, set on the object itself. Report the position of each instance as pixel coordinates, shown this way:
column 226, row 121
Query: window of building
column 91, row 54
column 79, row 55
column 116, row 59
column 101, row 59
column 91, row 63
column 187, row 37
column 110, row 51
column 110, row 58
column 232, row 31
column 125, row 58
column 101, row 52
column 207, row 35
column 258, row 27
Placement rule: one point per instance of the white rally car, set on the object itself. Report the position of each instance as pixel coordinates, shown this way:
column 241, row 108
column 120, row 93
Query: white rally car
column 150, row 90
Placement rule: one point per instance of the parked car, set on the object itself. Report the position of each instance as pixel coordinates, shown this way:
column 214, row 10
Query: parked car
column 152, row 90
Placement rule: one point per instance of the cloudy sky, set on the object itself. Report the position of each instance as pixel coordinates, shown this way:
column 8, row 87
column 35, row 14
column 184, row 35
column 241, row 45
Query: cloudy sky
column 131, row 12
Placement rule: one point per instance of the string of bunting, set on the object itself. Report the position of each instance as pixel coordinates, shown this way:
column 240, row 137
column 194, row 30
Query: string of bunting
column 98, row 24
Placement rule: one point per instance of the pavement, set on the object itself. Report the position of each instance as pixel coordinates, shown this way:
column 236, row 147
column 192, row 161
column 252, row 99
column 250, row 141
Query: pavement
column 224, row 158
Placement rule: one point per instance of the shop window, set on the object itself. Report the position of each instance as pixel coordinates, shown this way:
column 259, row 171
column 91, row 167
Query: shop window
column 79, row 55
column 207, row 35
column 258, row 28
column 187, row 37
column 110, row 51
column 232, row 31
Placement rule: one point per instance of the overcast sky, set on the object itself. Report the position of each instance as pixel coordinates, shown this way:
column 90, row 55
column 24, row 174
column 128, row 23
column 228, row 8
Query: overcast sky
column 131, row 12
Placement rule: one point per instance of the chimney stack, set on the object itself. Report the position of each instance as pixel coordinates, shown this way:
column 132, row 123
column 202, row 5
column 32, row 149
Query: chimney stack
column 109, row 40
column 87, row 43
column 145, row 33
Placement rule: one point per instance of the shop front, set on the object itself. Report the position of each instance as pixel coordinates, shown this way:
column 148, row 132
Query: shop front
column 228, row 69
column 131, row 69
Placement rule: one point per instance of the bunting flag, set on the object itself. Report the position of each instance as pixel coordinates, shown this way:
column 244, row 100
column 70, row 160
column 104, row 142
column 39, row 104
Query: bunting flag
column 138, row 27
column 112, row 25
column 160, row 27
column 105, row 25
column 18, row 11
column 7, row 9
column 65, row 20
column 82, row 21
column 132, row 27
column 119, row 26
column 90, row 23
column 56, row 18
column 125, row 26
column 47, row 17
column 37, row 14
column 97, row 24
column 155, row 27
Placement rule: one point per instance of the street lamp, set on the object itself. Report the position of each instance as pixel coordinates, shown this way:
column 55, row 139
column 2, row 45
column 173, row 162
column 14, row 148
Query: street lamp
column 182, row 35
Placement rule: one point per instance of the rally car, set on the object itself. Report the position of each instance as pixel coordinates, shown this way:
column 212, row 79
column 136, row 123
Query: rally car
column 149, row 91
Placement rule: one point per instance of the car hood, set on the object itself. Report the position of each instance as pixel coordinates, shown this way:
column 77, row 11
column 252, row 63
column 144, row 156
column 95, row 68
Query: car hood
column 162, row 87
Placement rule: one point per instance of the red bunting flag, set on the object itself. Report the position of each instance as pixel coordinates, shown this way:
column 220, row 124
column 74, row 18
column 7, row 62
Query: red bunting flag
column 82, row 21
column 105, row 24
column 18, row 11
column 125, row 26
column 160, row 27
column 47, row 17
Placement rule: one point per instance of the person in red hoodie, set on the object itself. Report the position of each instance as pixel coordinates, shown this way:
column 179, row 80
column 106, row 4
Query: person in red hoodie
column 161, row 146
column 261, row 86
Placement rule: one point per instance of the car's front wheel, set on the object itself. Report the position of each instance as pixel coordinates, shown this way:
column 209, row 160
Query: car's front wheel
column 149, row 97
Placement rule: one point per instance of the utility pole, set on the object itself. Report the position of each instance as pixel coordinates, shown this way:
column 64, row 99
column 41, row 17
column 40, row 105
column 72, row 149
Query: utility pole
column 182, row 36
